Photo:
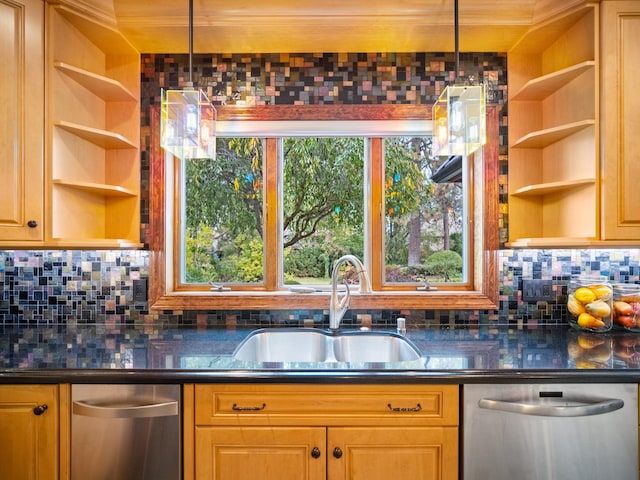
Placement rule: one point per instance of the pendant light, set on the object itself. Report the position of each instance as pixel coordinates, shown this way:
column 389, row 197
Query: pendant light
column 188, row 118
column 459, row 114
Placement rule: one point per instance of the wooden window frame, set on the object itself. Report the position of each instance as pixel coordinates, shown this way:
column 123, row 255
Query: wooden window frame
column 482, row 294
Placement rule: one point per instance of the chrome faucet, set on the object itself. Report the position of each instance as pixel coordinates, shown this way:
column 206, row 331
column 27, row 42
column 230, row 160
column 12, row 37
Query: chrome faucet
column 338, row 306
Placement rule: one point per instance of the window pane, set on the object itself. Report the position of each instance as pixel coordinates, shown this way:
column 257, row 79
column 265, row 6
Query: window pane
column 423, row 219
column 222, row 221
column 323, row 205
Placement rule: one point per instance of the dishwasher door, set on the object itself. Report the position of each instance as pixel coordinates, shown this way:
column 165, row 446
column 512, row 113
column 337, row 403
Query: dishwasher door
column 125, row 432
column 550, row 432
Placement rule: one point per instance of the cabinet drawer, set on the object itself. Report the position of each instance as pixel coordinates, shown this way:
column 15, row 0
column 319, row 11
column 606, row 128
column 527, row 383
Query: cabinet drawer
column 326, row 405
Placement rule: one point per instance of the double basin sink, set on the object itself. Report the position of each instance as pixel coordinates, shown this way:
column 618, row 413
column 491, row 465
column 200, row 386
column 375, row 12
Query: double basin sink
column 310, row 345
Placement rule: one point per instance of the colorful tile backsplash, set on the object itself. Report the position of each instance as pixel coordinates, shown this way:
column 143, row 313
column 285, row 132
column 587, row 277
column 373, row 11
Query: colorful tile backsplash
column 95, row 287
column 324, row 78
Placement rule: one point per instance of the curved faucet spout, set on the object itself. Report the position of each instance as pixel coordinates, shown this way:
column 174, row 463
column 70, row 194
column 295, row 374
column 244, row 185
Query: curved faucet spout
column 339, row 305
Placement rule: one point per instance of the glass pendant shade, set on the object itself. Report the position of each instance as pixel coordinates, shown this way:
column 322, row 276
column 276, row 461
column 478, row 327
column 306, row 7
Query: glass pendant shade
column 188, row 124
column 459, row 121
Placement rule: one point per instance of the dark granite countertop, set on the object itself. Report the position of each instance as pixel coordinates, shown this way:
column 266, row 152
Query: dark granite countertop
column 153, row 354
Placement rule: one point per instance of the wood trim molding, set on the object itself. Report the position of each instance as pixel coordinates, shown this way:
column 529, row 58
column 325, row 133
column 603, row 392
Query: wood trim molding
column 157, row 211
column 325, row 112
column 484, row 297
column 491, row 209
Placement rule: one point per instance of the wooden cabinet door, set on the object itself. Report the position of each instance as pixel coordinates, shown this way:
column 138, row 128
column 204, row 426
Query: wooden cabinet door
column 409, row 453
column 265, row 453
column 620, row 106
column 28, row 442
column 22, row 121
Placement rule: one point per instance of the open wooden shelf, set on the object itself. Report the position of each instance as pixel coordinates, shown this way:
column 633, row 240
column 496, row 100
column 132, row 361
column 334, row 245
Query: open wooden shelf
column 548, row 136
column 551, row 187
column 554, row 127
column 99, row 243
column 106, row 88
column 543, row 35
column 551, row 242
column 111, row 41
column 569, row 242
column 101, row 138
column 93, row 182
column 97, row 188
column 541, row 87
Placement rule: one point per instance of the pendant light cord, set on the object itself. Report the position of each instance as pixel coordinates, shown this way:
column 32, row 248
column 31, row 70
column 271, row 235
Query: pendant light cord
column 191, row 42
column 456, row 28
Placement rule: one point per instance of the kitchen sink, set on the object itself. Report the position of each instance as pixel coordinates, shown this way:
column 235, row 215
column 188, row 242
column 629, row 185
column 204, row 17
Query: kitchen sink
column 320, row 346
column 376, row 347
column 283, row 345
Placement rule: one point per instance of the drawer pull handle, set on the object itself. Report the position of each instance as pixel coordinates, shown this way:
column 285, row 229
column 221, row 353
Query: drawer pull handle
column 315, row 452
column 236, row 408
column 337, row 452
column 417, row 408
column 40, row 409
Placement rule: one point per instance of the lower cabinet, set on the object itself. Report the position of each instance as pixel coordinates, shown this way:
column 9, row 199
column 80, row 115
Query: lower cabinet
column 260, row 452
column 322, row 432
column 29, row 432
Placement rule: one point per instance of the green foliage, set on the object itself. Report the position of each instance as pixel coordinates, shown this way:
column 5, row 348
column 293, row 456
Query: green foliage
column 201, row 262
column 405, row 186
column 248, row 261
column 323, row 185
column 446, row 264
column 456, row 242
column 226, row 193
column 405, row 274
column 308, row 261
column 237, row 261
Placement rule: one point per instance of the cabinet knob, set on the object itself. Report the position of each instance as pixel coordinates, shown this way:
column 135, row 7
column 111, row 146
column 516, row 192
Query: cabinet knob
column 315, row 453
column 40, row 409
column 32, row 223
column 337, row 452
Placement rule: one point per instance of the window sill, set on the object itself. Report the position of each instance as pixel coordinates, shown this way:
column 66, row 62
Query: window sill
column 320, row 301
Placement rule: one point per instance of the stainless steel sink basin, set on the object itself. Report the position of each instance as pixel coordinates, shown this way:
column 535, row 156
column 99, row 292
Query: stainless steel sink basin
column 289, row 345
column 376, row 347
column 319, row 346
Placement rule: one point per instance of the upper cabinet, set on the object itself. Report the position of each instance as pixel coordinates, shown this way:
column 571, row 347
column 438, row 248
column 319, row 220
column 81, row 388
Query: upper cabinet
column 620, row 120
column 22, row 122
column 93, row 127
column 70, row 170
column 554, row 132
column 574, row 151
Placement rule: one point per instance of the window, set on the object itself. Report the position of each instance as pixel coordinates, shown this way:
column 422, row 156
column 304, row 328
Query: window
column 264, row 227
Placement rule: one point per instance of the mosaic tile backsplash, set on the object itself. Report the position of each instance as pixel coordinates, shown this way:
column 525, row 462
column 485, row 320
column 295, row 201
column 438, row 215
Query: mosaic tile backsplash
column 324, row 78
column 96, row 287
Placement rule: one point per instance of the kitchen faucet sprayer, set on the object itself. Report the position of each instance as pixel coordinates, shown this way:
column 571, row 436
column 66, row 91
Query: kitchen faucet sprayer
column 338, row 306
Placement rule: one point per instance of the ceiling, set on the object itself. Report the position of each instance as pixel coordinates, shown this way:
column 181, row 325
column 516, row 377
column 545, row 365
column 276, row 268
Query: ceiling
column 292, row 26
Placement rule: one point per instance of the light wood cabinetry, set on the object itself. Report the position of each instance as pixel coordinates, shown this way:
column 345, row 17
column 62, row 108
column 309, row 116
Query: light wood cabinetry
column 321, row 431
column 22, row 121
column 93, row 180
column 620, row 38
column 29, row 432
column 554, row 132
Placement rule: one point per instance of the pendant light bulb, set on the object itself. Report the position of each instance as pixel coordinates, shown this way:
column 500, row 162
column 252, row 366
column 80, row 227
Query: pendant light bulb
column 188, row 118
column 459, row 114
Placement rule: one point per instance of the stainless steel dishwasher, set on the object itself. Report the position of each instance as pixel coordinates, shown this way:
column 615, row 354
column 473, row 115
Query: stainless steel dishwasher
column 125, row 432
column 550, row 432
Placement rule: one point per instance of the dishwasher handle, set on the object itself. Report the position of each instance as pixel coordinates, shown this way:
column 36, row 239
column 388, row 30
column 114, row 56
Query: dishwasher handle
column 583, row 407
column 119, row 409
